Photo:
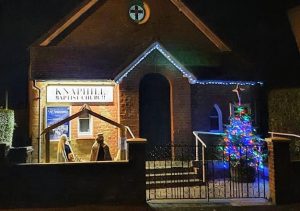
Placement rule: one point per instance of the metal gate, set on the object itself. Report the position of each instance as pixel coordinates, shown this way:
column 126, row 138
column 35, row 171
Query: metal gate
column 173, row 172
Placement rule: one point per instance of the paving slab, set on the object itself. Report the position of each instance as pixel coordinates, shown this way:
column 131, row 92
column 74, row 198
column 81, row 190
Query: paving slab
column 178, row 205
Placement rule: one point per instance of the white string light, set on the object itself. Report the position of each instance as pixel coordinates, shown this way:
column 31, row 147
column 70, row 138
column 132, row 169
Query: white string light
column 191, row 78
column 219, row 82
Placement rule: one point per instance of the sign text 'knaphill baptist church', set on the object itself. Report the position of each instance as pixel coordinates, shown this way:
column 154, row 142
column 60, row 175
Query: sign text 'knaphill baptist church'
column 61, row 94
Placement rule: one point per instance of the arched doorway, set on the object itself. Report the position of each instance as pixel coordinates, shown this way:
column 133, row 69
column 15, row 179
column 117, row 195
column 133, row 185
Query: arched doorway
column 155, row 120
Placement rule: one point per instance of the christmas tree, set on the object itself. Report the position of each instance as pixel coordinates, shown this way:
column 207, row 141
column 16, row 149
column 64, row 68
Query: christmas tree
column 242, row 145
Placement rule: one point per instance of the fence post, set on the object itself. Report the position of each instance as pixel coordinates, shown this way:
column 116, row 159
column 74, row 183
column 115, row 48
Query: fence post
column 197, row 152
column 203, row 163
column 47, row 136
column 280, row 181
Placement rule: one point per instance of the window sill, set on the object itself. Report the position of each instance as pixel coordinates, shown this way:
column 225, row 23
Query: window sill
column 85, row 138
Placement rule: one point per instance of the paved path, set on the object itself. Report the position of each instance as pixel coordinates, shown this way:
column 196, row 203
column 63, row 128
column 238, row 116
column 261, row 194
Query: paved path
column 180, row 205
column 220, row 205
column 218, row 189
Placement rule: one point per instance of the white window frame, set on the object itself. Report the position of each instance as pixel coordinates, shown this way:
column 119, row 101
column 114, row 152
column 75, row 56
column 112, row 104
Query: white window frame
column 220, row 119
column 90, row 125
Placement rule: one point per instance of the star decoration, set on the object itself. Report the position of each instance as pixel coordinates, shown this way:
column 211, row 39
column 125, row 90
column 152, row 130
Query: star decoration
column 238, row 90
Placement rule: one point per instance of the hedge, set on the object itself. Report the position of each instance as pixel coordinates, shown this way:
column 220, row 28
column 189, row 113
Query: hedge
column 7, row 123
column 284, row 110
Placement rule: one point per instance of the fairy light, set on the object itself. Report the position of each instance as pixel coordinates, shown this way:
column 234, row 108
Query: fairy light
column 241, row 140
column 185, row 73
column 156, row 46
column 225, row 82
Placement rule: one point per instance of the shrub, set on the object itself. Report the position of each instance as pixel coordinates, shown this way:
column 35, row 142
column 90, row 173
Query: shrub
column 7, row 124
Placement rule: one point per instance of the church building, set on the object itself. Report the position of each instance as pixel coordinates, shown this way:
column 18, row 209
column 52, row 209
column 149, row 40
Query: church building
column 153, row 66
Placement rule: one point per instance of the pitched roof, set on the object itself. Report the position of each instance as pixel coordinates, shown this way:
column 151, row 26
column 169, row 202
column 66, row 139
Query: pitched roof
column 87, row 7
column 49, row 64
column 156, row 46
column 83, row 46
column 65, row 23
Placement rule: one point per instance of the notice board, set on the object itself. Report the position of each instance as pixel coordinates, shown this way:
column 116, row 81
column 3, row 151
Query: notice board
column 55, row 114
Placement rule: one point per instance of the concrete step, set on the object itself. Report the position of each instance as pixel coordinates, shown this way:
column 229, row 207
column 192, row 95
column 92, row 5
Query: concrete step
column 169, row 166
column 174, row 163
column 173, row 183
column 172, row 176
column 169, row 169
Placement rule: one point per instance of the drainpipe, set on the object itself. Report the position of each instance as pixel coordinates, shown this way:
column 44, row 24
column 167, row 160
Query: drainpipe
column 39, row 119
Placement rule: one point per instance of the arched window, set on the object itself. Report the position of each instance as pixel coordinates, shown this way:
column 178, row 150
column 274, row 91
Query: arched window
column 215, row 118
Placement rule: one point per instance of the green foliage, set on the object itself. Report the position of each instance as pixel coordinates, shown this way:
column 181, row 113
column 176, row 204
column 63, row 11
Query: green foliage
column 284, row 115
column 284, row 110
column 7, row 124
column 242, row 143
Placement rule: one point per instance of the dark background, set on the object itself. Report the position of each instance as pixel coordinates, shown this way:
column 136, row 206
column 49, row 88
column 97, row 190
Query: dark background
column 257, row 30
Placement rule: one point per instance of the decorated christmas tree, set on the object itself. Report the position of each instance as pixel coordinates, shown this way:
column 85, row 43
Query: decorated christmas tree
column 242, row 145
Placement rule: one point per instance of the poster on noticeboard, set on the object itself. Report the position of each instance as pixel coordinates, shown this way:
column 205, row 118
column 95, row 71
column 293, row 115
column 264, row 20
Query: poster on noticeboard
column 55, row 114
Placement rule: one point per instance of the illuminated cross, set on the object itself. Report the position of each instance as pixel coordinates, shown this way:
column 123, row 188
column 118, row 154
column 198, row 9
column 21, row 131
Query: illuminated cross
column 238, row 90
column 136, row 12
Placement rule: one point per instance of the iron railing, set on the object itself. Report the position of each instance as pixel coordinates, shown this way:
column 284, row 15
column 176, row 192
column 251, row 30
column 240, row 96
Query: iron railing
column 203, row 146
column 227, row 178
column 173, row 172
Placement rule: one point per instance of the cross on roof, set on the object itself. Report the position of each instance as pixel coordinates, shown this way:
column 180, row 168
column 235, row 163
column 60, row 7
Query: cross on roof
column 137, row 11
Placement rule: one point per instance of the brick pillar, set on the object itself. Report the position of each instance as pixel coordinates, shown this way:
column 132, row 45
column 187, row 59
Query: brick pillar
column 280, row 183
column 136, row 157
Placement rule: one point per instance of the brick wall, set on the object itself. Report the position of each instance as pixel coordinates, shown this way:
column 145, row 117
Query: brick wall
column 34, row 119
column 205, row 96
column 283, row 173
column 65, row 184
column 180, row 97
column 190, row 108
column 271, row 171
column 81, row 144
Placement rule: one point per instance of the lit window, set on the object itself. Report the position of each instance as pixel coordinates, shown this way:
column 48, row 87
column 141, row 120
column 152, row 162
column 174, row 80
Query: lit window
column 215, row 118
column 85, row 124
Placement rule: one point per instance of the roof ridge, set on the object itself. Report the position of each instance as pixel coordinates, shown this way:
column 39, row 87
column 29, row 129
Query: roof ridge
column 65, row 22
column 88, row 4
column 201, row 25
column 156, row 46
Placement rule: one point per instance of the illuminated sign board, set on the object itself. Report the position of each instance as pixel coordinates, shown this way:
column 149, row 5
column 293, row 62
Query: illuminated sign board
column 55, row 114
column 92, row 94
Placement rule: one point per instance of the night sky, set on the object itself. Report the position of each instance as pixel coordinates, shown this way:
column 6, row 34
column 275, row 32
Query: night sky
column 256, row 30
